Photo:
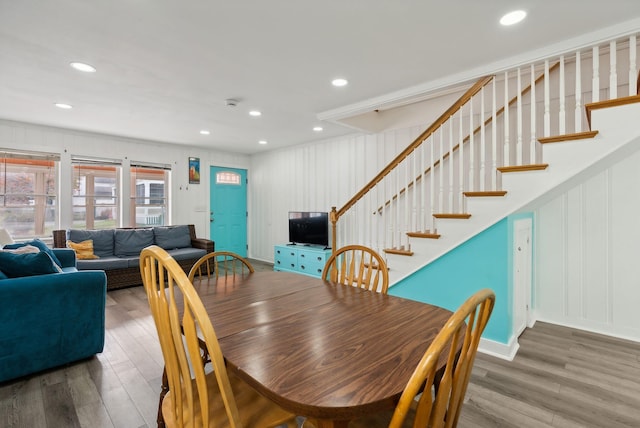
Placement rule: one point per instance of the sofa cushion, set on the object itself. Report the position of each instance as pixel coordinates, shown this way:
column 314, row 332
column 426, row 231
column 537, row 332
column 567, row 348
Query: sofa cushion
column 102, row 240
column 103, row 263
column 28, row 264
column 38, row 244
column 3, row 275
column 170, row 237
column 187, row 253
column 84, row 249
column 130, row 242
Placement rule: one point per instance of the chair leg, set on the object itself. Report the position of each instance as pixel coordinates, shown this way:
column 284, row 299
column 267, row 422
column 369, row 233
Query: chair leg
column 163, row 391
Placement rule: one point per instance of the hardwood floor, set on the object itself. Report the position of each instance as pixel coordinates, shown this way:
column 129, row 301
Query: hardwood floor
column 561, row 377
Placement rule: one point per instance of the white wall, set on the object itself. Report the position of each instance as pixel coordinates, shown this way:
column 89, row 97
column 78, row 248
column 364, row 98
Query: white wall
column 587, row 273
column 324, row 174
column 189, row 201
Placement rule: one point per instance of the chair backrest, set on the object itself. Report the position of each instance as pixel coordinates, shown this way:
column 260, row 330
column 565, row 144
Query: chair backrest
column 166, row 286
column 220, row 263
column 358, row 266
column 443, row 393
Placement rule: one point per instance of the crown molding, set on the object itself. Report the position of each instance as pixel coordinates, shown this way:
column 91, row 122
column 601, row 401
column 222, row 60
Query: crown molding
column 458, row 81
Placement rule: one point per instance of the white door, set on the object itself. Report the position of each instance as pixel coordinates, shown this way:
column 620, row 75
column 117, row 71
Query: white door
column 522, row 274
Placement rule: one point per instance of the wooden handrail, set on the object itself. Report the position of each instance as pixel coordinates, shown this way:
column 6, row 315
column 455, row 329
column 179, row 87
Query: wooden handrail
column 335, row 214
column 406, row 152
column 468, row 137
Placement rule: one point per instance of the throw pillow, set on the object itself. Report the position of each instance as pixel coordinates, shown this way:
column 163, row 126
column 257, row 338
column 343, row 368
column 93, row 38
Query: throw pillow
column 38, row 244
column 170, row 237
column 129, row 242
column 17, row 265
column 3, row 275
column 84, row 249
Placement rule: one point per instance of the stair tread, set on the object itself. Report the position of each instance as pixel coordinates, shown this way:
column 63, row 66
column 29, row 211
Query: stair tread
column 398, row 252
column 568, row 137
column 453, row 215
column 589, row 107
column 520, row 168
column 485, row 193
column 427, row 235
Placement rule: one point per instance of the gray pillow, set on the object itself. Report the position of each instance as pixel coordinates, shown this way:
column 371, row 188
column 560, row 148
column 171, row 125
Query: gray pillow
column 102, row 240
column 172, row 237
column 129, row 242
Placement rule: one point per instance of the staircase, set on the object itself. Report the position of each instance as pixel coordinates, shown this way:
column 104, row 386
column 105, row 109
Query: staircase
column 510, row 141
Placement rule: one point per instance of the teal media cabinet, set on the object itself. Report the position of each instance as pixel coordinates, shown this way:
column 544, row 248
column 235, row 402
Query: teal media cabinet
column 302, row 259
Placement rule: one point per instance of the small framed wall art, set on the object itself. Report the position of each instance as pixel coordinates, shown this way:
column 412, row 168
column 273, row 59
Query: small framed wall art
column 194, row 170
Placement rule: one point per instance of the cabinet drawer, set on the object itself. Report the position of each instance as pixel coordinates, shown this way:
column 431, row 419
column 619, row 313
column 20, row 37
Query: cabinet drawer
column 285, row 257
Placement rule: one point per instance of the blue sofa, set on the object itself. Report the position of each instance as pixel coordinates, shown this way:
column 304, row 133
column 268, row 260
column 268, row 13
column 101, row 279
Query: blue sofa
column 52, row 319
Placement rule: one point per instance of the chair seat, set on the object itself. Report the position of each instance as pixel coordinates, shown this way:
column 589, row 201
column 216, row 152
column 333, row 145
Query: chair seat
column 262, row 414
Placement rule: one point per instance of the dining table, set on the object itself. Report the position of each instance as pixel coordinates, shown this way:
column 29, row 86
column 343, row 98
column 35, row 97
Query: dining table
column 322, row 350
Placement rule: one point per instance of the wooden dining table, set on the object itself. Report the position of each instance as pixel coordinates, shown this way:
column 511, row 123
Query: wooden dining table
column 326, row 351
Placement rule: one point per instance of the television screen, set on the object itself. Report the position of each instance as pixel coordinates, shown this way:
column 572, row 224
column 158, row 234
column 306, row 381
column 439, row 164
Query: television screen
column 309, row 228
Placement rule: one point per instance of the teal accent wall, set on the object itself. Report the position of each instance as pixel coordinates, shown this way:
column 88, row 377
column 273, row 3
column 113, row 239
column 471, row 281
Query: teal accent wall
column 484, row 261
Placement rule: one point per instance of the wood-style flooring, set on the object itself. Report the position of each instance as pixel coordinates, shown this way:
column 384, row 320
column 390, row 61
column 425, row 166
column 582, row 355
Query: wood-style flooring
column 561, row 377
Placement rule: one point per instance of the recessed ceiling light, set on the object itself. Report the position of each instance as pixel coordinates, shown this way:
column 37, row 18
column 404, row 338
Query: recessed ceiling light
column 81, row 66
column 255, row 113
column 339, row 82
column 317, row 128
column 263, row 142
column 64, row 106
column 205, row 132
column 513, row 17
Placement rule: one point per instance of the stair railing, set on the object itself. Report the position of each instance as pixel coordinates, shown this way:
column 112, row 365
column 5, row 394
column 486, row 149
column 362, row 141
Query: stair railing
column 486, row 130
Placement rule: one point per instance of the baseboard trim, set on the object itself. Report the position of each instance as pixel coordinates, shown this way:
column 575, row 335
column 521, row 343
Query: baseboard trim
column 500, row 350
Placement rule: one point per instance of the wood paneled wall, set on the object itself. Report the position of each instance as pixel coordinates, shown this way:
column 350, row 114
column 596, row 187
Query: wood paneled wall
column 587, row 269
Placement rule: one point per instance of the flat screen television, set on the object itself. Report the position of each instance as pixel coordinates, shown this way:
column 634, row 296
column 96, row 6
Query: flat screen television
column 309, row 228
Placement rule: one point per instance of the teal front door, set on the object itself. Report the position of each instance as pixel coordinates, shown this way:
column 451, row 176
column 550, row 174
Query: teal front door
column 228, row 209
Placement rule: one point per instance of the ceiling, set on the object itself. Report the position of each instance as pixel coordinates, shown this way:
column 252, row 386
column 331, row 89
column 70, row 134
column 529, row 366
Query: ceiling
column 165, row 68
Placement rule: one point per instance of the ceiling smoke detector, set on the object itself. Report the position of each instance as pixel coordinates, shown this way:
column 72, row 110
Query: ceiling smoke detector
column 230, row 102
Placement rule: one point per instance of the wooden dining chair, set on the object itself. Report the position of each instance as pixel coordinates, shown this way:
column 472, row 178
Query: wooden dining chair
column 442, row 393
column 197, row 398
column 220, row 263
column 359, row 266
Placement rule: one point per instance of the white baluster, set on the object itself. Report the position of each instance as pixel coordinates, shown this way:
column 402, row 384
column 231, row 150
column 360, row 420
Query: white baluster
column 613, row 73
column 595, row 83
column 494, row 135
column 506, row 161
column 432, row 184
column 562, row 113
column 416, row 222
column 441, row 172
column 578, row 110
column 633, row 71
column 519, row 154
column 482, row 143
column 461, row 161
column 451, row 191
column 533, row 143
column 472, row 159
column 407, row 207
column 547, row 101
column 394, row 210
column 423, row 187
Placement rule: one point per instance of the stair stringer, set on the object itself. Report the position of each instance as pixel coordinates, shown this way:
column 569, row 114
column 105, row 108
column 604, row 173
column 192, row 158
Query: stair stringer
column 569, row 163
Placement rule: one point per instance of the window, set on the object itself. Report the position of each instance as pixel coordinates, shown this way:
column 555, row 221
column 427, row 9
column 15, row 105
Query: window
column 28, row 189
column 228, row 177
column 149, row 184
column 96, row 185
